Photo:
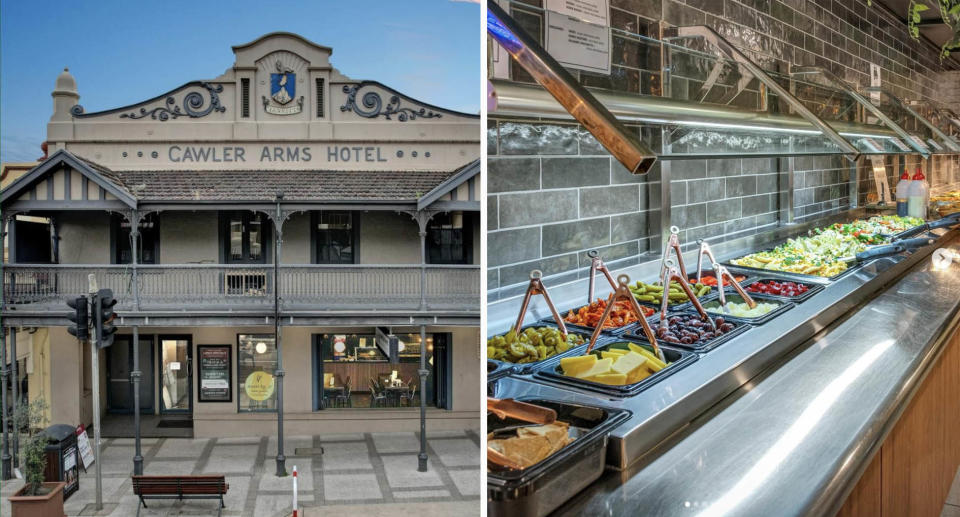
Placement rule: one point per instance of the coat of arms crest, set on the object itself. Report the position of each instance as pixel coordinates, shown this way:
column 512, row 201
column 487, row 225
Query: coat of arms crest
column 283, row 87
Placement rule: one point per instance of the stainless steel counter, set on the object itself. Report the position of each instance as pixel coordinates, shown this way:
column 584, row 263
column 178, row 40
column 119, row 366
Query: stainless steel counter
column 795, row 439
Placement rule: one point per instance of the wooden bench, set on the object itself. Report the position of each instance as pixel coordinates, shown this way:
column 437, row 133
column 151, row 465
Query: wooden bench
column 180, row 487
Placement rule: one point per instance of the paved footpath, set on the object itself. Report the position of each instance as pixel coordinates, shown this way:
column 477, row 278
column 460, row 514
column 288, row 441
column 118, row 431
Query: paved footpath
column 368, row 474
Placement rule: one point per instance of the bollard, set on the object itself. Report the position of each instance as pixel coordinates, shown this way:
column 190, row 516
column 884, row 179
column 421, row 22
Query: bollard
column 295, row 509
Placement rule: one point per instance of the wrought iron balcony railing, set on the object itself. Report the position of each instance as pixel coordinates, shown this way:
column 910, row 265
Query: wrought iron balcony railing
column 309, row 287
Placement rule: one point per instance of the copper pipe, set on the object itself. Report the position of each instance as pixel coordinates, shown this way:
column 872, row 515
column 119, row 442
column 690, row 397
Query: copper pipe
column 623, row 292
column 536, row 287
column 625, row 146
column 596, row 264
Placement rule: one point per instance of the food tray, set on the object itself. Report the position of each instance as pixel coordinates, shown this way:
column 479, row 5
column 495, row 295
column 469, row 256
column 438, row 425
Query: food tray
column 678, row 307
column 542, row 488
column 787, row 274
column 550, row 370
column 814, row 288
column 702, row 347
column 497, row 369
column 615, row 331
column 528, row 367
column 759, row 320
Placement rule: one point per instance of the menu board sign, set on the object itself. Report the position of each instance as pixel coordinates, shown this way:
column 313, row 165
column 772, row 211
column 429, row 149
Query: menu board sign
column 71, row 476
column 577, row 44
column 83, row 442
column 214, row 373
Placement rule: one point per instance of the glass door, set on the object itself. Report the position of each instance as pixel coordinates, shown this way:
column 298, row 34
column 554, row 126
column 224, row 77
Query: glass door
column 176, row 379
column 119, row 365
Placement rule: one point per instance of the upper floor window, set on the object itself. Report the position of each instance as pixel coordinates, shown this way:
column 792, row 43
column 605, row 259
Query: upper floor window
column 244, row 237
column 148, row 241
column 334, row 237
column 449, row 239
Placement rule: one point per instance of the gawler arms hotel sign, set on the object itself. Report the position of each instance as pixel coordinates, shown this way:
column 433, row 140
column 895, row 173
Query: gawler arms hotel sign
column 280, row 106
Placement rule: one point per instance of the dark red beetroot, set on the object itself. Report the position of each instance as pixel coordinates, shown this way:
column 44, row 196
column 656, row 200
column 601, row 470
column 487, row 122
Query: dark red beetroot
column 775, row 288
column 689, row 329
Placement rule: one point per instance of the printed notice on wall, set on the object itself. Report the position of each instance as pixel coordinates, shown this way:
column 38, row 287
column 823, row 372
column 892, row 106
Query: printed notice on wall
column 576, row 44
column 499, row 55
column 214, row 373
column 880, row 180
column 593, row 11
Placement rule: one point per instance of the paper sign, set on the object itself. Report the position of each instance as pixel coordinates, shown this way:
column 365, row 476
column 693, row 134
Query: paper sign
column 83, row 442
column 175, row 365
column 880, row 180
column 875, row 81
column 576, row 44
column 499, row 56
column 593, row 11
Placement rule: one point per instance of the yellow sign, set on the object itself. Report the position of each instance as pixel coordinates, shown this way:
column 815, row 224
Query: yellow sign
column 259, row 386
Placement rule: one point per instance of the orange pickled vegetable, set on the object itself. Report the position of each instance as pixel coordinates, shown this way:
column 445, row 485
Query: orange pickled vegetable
column 711, row 280
column 589, row 315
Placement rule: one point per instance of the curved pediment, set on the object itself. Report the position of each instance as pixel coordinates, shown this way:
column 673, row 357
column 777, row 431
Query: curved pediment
column 374, row 100
column 195, row 99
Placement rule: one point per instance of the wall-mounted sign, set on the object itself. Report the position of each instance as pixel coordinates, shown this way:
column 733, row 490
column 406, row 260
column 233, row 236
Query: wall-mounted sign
column 593, row 11
column 880, row 180
column 213, row 370
column 259, row 386
column 577, row 44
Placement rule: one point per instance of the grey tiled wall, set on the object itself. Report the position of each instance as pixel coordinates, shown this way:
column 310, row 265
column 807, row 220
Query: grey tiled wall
column 554, row 193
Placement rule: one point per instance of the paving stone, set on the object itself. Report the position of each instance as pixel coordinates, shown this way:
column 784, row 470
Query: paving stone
column 234, row 450
column 182, row 448
column 347, row 455
column 276, row 505
column 466, row 481
column 341, row 437
column 236, row 496
column 401, row 471
column 396, row 442
column 248, row 440
column 117, row 459
column 451, row 433
column 168, row 467
column 416, row 494
column 230, row 464
column 351, row 487
column 270, row 480
column 132, row 441
column 290, row 444
column 457, row 453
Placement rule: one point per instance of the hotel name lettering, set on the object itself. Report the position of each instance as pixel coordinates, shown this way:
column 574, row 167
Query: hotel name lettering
column 276, row 154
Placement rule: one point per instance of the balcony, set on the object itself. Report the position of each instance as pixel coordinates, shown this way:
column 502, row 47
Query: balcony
column 229, row 288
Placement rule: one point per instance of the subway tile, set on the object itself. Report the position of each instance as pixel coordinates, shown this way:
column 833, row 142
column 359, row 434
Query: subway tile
column 537, row 208
column 526, row 138
column 678, row 193
column 511, row 174
column 767, row 183
column 520, row 273
column 620, row 174
column 718, row 211
column 493, row 278
column 681, row 15
column 629, row 227
column 710, row 6
column 492, row 137
column 510, row 246
column 647, row 8
column 759, row 165
column 759, row 204
column 699, row 191
column 688, row 169
column 710, row 232
column 575, row 172
column 738, row 225
column 723, row 167
column 575, row 236
column 597, row 201
column 741, row 186
column 492, row 213
column 611, row 253
column 689, row 216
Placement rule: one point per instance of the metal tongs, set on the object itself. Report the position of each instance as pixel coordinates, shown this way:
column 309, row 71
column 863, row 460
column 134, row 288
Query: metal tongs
column 517, row 410
column 670, row 273
column 673, row 243
column 536, row 287
column 623, row 292
column 722, row 273
column 704, row 250
column 597, row 265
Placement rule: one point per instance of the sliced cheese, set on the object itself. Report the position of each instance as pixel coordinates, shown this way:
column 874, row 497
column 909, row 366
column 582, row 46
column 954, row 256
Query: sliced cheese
column 572, row 366
column 602, row 366
column 615, row 379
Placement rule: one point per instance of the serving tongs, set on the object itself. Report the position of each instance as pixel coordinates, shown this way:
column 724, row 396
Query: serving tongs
column 597, row 265
column 893, row 248
column 673, row 243
column 622, row 292
column 536, row 287
column 509, row 408
column 671, row 273
column 704, row 250
column 722, row 272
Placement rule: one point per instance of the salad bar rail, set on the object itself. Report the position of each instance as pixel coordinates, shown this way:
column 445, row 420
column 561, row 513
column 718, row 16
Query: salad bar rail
column 667, row 406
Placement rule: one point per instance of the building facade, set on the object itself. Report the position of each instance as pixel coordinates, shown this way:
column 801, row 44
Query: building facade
column 281, row 195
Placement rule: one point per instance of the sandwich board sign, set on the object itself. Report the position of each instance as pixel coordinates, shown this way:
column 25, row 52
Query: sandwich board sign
column 86, row 452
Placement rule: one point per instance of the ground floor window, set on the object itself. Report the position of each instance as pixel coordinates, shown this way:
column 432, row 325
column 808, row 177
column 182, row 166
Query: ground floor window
column 256, row 366
column 352, row 371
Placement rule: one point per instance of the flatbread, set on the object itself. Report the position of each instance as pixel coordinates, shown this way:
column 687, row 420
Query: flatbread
column 532, row 444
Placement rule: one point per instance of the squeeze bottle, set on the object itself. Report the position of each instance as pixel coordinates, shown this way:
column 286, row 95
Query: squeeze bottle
column 902, row 187
column 917, row 196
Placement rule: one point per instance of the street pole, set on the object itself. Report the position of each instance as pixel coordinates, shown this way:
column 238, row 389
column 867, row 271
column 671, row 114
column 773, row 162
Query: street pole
column 422, row 457
column 278, row 226
column 135, row 376
column 16, row 397
column 5, row 374
column 95, row 381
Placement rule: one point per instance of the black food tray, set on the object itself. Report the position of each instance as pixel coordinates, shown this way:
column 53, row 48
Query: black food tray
column 813, row 289
column 699, row 347
column 678, row 307
column 787, row 274
column 542, row 488
column 615, row 331
column 497, row 369
column 759, row 320
column 678, row 358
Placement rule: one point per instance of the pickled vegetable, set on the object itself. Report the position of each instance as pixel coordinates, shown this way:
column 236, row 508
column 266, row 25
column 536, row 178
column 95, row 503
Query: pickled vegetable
column 741, row 309
column 621, row 314
column 531, row 345
column 711, row 279
column 653, row 293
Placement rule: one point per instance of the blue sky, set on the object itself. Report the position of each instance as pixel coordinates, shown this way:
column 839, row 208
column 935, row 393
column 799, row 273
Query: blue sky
column 122, row 52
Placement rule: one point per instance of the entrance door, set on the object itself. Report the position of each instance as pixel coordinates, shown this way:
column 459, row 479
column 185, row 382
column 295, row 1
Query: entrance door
column 119, row 366
column 176, row 379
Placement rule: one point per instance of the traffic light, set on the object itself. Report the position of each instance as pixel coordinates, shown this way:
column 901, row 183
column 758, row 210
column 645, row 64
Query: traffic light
column 79, row 317
column 103, row 307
